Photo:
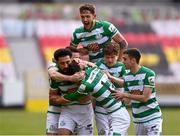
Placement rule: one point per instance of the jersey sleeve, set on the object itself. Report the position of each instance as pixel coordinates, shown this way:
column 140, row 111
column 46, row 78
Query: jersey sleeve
column 53, row 66
column 98, row 63
column 110, row 29
column 123, row 71
column 149, row 79
column 53, row 84
column 74, row 40
column 73, row 96
column 83, row 89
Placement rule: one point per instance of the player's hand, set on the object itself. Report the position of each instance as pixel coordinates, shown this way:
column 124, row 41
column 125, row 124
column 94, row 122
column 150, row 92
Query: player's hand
column 94, row 47
column 118, row 95
column 90, row 64
column 63, row 100
column 83, row 63
column 107, row 73
column 77, row 76
column 84, row 99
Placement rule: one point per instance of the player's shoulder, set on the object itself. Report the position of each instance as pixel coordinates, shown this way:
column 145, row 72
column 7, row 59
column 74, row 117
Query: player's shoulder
column 79, row 29
column 52, row 65
column 148, row 70
column 120, row 64
column 99, row 62
column 103, row 23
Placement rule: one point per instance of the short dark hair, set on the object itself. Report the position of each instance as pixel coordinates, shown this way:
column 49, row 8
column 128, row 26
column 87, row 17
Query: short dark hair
column 72, row 49
column 111, row 48
column 89, row 7
column 73, row 68
column 133, row 53
column 62, row 53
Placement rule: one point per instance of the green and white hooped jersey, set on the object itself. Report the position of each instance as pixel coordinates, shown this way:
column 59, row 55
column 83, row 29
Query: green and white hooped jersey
column 101, row 33
column 150, row 110
column 118, row 70
column 65, row 87
column 93, row 84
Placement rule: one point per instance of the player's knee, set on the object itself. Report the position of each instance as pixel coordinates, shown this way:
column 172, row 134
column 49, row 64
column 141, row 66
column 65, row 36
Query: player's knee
column 64, row 131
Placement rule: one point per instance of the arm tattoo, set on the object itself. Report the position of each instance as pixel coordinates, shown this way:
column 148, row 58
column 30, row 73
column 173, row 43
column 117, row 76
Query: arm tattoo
column 122, row 44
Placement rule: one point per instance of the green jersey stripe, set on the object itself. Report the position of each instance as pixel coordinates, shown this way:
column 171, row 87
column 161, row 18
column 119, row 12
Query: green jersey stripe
column 102, row 94
column 116, row 106
column 145, row 108
column 54, row 112
column 138, row 105
column 114, row 102
column 101, row 113
column 146, row 113
column 148, row 118
column 92, row 75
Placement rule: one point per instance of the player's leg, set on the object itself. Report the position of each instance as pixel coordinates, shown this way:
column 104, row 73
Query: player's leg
column 66, row 124
column 119, row 122
column 84, row 123
column 52, row 123
column 102, row 122
column 154, row 127
column 140, row 129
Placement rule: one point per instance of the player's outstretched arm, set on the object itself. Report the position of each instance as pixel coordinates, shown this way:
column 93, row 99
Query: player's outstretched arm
column 118, row 38
column 74, row 96
column 61, row 77
column 56, row 99
column 115, row 79
column 134, row 95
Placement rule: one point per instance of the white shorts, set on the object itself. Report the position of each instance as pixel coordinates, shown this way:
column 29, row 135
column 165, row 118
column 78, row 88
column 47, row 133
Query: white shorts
column 102, row 122
column 119, row 122
column 153, row 127
column 52, row 122
column 83, row 122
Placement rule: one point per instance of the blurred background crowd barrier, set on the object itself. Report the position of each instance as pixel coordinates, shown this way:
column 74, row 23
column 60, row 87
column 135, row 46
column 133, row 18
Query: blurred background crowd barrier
column 30, row 33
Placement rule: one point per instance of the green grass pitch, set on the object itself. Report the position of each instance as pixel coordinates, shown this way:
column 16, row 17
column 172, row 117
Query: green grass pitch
column 19, row 122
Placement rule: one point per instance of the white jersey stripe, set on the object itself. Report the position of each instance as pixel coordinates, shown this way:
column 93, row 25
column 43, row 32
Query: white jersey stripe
column 99, row 84
column 99, row 41
column 88, row 34
column 145, row 108
column 93, row 75
column 136, row 77
column 104, row 95
column 136, row 87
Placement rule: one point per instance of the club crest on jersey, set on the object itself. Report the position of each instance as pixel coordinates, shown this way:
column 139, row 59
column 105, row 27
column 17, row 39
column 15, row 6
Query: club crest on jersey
column 140, row 82
column 151, row 80
column 82, row 88
column 128, row 83
column 116, row 74
column 62, row 123
column 53, row 128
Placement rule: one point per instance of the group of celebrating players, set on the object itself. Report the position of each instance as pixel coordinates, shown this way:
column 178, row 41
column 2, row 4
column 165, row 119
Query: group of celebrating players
column 98, row 81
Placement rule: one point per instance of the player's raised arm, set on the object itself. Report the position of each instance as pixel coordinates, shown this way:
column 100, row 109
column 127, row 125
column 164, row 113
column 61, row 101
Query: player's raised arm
column 113, row 79
column 118, row 38
column 61, row 77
